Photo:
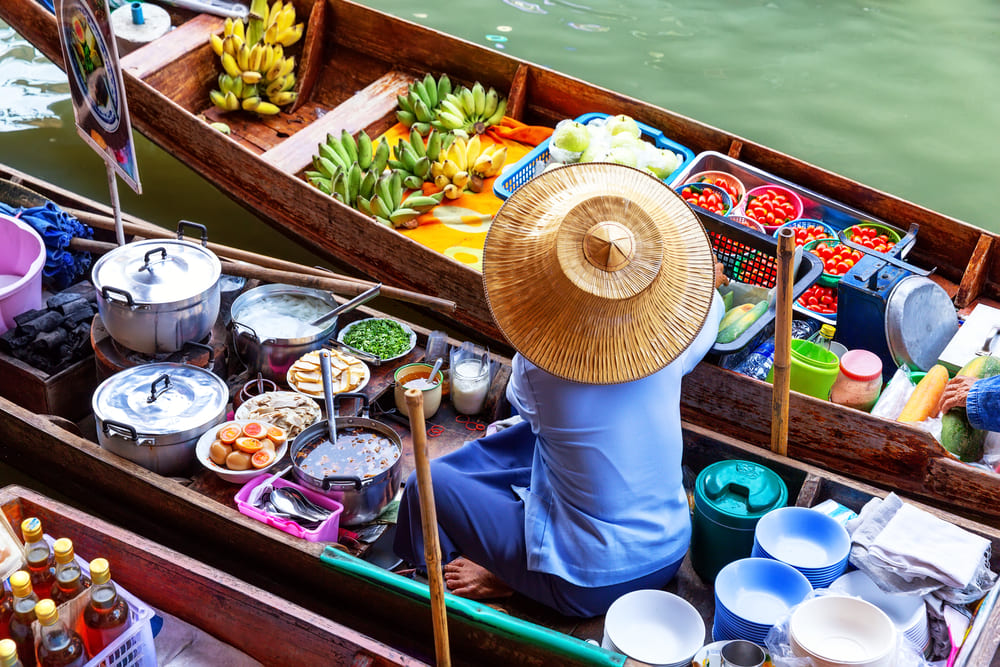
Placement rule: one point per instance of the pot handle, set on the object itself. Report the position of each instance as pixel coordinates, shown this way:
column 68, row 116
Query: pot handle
column 201, row 228
column 153, row 394
column 207, row 348
column 237, row 332
column 348, row 396
column 107, row 291
column 145, row 258
column 330, row 481
column 120, row 429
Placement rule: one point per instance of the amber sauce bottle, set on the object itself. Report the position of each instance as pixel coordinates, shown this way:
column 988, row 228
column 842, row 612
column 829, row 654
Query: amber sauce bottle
column 6, row 611
column 41, row 562
column 23, row 616
column 58, row 646
column 8, row 654
column 70, row 579
column 106, row 616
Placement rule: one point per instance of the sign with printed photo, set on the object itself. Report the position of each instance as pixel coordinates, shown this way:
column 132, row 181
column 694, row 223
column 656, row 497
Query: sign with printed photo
column 96, row 85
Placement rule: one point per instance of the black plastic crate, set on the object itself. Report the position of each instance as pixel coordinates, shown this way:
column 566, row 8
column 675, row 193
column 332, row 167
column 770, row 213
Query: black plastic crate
column 750, row 257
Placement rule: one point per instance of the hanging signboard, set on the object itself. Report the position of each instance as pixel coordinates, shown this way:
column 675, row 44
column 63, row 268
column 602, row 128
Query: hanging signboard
column 96, row 85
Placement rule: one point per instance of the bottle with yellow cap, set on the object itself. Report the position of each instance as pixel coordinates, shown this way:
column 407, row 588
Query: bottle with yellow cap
column 6, row 610
column 58, row 646
column 23, row 616
column 41, row 562
column 70, row 579
column 107, row 614
column 8, row 654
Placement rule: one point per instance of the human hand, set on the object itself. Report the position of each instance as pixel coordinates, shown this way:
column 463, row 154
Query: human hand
column 720, row 276
column 955, row 394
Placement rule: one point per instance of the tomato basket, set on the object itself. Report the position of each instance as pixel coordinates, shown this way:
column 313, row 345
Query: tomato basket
column 806, row 223
column 734, row 186
column 534, row 162
column 826, row 318
column 754, row 194
column 894, row 235
column 725, row 201
column 830, row 279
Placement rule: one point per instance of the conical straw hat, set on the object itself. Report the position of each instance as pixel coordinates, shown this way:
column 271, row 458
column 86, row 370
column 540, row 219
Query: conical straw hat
column 598, row 273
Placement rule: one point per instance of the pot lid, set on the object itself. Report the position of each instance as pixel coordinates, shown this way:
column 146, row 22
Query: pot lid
column 738, row 492
column 158, row 270
column 161, row 398
column 920, row 319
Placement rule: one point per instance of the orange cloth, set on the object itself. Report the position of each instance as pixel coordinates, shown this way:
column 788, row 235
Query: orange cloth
column 457, row 227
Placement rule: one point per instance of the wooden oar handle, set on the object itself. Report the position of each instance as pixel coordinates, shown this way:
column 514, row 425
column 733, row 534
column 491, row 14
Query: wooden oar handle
column 428, row 519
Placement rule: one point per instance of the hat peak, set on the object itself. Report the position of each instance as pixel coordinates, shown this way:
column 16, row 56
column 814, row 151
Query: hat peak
column 609, row 245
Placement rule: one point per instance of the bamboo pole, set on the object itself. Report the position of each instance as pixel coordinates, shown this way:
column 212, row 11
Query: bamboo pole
column 428, row 519
column 782, row 342
column 330, row 282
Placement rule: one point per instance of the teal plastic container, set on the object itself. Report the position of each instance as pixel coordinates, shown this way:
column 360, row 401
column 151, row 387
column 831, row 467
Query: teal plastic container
column 729, row 498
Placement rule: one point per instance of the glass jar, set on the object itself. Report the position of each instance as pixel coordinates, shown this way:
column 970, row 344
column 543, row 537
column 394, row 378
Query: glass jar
column 859, row 381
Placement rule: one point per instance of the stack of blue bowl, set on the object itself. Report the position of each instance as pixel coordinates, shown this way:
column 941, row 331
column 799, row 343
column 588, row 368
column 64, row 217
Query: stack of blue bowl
column 812, row 542
column 752, row 594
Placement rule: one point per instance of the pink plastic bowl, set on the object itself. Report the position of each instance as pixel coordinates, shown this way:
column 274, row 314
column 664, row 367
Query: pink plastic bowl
column 21, row 265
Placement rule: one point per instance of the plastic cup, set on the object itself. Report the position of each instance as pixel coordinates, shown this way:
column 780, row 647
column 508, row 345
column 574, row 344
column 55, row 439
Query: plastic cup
column 431, row 390
column 813, row 369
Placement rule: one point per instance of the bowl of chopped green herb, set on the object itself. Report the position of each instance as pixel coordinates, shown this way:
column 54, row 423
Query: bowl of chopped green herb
column 387, row 339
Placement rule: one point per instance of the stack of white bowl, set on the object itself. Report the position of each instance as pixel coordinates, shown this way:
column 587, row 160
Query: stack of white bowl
column 655, row 627
column 812, row 542
column 752, row 594
column 835, row 631
column 907, row 612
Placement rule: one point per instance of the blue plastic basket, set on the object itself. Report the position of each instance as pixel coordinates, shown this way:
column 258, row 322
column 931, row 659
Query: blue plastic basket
column 807, row 222
column 528, row 167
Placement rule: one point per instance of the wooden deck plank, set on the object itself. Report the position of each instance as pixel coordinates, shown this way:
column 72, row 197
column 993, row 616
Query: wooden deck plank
column 173, row 46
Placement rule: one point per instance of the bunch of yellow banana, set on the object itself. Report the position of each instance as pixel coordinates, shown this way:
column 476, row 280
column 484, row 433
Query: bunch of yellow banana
column 419, row 106
column 466, row 164
column 252, row 52
column 471, row 110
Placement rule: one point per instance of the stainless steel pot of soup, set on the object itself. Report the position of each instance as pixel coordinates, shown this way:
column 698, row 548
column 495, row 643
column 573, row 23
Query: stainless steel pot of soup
column 362, row 470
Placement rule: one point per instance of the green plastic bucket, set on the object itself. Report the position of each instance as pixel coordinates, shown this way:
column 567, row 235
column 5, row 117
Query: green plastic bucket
column 813, row 369
column 729, row 498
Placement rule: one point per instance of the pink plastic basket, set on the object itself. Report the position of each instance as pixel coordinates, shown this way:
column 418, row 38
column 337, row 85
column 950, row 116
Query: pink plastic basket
column 327, row 531
column 21, row 265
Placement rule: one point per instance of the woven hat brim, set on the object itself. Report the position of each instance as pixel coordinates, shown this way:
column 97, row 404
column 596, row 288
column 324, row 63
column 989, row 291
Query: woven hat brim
column 577, row 328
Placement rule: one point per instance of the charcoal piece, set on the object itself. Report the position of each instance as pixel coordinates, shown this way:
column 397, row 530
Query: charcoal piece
column 64, row 301
column 82, row 332
column 37, row 360
column 28, row 315
column 13, row 342
column 49, row 341
column 78, row 312
column 46, row 322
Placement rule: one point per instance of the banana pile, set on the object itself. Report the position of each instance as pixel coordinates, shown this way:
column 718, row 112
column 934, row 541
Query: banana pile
column 414, row 158
column 353, row 172
column 419, row 107
column 471, row 110
column 252, row 54
column 466, row 164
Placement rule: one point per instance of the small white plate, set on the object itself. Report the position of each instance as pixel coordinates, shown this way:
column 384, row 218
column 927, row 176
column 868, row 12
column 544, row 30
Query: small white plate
column 413, row 336
column 234, row 476
column 319, row 397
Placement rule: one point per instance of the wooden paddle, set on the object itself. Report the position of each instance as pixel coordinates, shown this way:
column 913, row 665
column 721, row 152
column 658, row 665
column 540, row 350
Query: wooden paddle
column 428, row 518
column 782, row 342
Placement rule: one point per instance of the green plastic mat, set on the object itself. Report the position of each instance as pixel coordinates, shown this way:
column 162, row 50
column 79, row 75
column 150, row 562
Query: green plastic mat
column 560, row 645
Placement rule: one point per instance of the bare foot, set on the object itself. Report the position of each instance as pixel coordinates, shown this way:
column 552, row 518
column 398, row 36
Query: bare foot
column 470, row 580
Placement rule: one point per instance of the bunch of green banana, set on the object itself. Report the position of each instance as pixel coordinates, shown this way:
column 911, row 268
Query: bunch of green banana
column 414, row 158
column 392, row 208
column 471, row 110
column 419, row 107
column 465, row 165
column 252, row 55
column 347, row 168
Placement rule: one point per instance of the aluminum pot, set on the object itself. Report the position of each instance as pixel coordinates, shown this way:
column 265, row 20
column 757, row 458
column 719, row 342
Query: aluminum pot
column 153, row 414
column 155, row 296
column 270, row 355
column 363, row 499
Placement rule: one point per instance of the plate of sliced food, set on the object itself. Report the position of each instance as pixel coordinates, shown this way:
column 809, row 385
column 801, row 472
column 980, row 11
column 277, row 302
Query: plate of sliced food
column 292, row 411
column 347, row 372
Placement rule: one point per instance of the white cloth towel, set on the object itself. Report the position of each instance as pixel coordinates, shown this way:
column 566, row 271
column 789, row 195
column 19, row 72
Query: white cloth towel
column 922, row 545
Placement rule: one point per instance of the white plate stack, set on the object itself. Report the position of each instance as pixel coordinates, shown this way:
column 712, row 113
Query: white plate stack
column 907, row 612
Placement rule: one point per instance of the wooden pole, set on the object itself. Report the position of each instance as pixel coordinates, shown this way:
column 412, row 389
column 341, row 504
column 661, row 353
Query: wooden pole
column 115, row 204
column 329, row 282
column 428, row 518
column 782, row 342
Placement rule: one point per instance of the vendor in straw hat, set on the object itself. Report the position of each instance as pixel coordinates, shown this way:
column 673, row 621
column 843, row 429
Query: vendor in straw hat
column 603, row 279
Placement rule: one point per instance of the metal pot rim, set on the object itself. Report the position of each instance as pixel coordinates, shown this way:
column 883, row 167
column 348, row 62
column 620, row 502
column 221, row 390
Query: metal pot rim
column 263, row 291
column 301, row 441
column 121, row 253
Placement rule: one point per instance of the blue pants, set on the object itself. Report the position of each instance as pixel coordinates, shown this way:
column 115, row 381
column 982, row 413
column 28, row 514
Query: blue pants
column 481, row 518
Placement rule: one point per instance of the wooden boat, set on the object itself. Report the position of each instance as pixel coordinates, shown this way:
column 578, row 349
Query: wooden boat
column 196, row 515
column 349, row 81
column 260, row 624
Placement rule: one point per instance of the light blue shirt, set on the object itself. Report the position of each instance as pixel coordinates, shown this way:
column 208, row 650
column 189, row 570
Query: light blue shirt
column 606, row 503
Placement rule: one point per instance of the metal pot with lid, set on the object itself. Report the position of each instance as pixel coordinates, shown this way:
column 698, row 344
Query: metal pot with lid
column 920, row 319
column 154, row 296
column 153, row 414
column 362, row 470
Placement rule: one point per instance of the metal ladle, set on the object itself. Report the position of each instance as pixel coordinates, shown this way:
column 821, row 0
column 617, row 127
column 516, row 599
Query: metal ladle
column 331, row 423
column 365, row 296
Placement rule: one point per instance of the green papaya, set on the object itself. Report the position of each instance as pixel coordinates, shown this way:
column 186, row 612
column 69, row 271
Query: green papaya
column 957, row 435
column 734, row 330
column 727, row 300
column 734, row 314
